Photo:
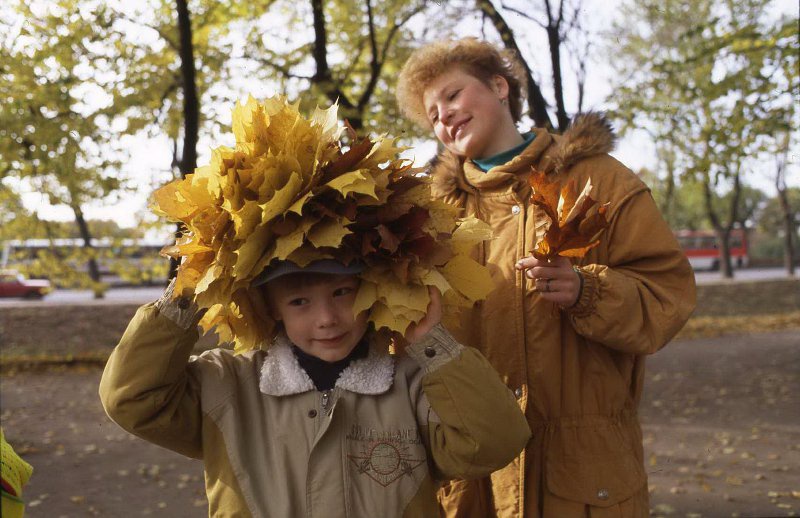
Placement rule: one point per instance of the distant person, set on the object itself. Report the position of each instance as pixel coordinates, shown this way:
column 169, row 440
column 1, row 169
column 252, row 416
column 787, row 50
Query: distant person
column 15, row 475
column 569, row 337
column 325, row 422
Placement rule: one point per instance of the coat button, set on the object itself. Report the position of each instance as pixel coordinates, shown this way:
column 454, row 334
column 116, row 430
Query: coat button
column 602, row 494
column 312, row 414
column 515, row 210
column 430, row 352
column 518, row 392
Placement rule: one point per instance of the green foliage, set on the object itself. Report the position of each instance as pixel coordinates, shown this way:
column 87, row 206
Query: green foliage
column 148, row 94
column 771, row 220
column 709, row 82
column 360, row 75
column 50, row 134
column 704, row 77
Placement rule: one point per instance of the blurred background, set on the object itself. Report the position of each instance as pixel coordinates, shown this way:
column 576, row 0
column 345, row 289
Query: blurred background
column 103, row 101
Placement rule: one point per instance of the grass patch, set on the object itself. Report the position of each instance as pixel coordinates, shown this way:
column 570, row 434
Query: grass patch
column 710, row 326
column 10, row 365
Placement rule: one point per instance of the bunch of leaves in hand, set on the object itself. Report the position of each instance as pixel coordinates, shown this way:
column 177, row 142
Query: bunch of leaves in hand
column 576, row 220
column 290, row 190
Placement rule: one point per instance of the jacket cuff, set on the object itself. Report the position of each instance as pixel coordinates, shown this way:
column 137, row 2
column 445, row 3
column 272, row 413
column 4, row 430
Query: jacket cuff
column 588, row 298
column 436, row 349
column 182, row 311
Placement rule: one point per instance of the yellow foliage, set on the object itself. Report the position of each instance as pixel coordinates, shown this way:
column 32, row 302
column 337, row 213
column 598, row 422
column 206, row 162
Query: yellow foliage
column 289, row 189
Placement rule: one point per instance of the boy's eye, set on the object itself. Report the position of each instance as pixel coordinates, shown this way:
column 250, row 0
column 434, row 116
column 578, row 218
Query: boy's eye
column 298, row 302
column 453, row 94
column 345, row 290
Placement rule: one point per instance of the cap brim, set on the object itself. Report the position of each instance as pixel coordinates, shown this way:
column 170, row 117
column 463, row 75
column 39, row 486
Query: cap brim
column 329, row 266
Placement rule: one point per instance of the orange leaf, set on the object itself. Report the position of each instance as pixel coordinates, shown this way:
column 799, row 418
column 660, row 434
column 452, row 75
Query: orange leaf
column 576, row 220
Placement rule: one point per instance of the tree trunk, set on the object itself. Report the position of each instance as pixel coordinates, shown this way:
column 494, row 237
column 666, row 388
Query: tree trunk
column 191, row 106
column 537, row 106
column 322, row 78
column 94, row 271
column 554, row 39
column 788, row 230
column 733, row 217
column 725, row 263
column 667, row 157
column 722, row 231
column 786, row 209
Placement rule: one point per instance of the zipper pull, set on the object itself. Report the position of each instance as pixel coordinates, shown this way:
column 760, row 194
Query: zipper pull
column 325, row 400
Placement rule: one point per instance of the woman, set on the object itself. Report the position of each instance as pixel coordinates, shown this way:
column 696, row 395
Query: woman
column 568, row 337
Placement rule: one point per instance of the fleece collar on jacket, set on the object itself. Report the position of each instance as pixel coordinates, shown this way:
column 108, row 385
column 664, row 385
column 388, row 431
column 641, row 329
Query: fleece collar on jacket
column 281, row 374
column 589, row 134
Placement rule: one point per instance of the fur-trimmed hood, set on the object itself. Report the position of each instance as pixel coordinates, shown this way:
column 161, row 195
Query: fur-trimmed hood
column 589, row 134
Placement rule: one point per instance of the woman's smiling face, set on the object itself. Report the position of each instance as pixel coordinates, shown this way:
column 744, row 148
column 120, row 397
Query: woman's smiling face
column 466, row 113
column 318, row 316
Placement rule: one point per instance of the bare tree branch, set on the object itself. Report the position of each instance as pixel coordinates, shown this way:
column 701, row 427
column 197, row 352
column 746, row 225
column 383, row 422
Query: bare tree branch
column 323, row 78
column 375, row 62
column 537, row 106
column 524, row 15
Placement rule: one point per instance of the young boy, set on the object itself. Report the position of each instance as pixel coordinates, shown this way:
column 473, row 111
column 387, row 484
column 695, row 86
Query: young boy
column 569, row 337
column 324, row 423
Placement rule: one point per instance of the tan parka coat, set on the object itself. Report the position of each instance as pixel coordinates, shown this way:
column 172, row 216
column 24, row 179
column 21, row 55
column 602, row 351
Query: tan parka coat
column 577, row 373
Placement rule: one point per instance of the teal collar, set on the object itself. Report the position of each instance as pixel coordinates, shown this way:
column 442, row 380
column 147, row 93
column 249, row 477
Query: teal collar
column 501, row 158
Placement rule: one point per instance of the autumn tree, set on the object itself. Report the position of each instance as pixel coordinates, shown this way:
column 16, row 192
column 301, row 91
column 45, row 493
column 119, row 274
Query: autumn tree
column 701, row 79
column 778, row 146
column 54, row 132
column 561, row 22
column 169, row 74
column 344, row 51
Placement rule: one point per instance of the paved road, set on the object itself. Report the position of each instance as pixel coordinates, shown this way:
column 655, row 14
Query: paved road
column 147, row 294
column 85, row 297
column 755, row 274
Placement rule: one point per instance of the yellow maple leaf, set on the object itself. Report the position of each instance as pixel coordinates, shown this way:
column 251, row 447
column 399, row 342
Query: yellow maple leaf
column 396, row 294
column 328, row 233
column 355, row 181
column 367, row 296
column 468, row 277
column 382, row 316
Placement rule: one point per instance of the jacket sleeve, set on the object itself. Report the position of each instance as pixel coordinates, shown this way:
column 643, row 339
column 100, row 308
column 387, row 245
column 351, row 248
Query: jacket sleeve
column 645, row 292
column 146, row 388
column 475, row 425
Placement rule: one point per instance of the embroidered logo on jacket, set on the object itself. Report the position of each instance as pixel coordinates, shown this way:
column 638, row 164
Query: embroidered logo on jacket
column 384, row 456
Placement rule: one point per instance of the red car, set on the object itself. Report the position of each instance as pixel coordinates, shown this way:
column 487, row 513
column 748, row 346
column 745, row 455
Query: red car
column 14, row 284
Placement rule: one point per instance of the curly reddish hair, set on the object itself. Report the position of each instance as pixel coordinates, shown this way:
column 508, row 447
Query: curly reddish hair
column 476, row 57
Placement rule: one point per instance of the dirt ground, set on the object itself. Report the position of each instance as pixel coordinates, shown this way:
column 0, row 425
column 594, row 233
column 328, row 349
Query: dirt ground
column 720, row 416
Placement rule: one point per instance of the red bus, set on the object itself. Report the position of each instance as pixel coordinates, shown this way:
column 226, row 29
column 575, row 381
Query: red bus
column 702, row 249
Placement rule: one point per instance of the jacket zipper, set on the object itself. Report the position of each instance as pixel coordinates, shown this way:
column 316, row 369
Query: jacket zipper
column 326, row 397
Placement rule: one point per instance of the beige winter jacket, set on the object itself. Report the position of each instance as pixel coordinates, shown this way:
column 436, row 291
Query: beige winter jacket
column 273, row 446
column 579, row 373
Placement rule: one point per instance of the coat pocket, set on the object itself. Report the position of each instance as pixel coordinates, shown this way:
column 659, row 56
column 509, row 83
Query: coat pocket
column 592, row 460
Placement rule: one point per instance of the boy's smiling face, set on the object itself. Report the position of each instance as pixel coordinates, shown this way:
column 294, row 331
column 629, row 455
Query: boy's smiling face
column 466, row 113
column 318, row 315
